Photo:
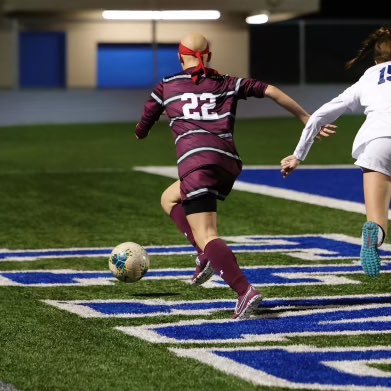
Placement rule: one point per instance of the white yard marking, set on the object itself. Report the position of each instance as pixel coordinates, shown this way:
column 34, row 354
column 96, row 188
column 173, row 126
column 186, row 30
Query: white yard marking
column 292, row 195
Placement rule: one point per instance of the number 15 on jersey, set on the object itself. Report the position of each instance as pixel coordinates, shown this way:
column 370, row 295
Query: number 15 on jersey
column 385, row 76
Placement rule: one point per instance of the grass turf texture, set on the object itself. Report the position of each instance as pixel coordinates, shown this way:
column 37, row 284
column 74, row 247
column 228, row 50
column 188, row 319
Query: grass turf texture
column 73, row 186
column 48, row 198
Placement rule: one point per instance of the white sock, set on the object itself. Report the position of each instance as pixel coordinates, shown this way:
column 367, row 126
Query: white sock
column 380, row 236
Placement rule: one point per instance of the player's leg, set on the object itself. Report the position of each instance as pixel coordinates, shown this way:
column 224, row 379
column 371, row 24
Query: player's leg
column 172, row 205
column 171, row 197
column 377, row 192
column 202, row 217
column 375, row 161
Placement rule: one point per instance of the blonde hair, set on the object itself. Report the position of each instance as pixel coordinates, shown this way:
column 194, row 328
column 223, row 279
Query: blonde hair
column 379, row 43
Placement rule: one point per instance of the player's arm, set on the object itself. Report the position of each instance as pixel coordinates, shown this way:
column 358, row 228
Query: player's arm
column 251, row 87
column 286, row 102
column 153, row 108
column 289, row 104
column 258, row 89
column 328, row 113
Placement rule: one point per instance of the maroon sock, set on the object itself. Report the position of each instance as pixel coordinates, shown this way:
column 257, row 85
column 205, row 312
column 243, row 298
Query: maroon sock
column 224, row 263
column 178, row 215
column 203, row 259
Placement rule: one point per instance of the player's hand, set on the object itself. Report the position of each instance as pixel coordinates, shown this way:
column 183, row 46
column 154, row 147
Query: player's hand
column 288, row 165
column 137, row 136
column 327, row 131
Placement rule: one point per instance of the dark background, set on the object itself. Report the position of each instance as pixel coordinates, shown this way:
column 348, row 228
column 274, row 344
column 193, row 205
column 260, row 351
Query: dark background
column 345, row 9
column 331, row 38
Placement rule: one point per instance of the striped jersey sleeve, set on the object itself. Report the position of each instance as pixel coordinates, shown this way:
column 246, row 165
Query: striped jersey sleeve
column 250, row 87
column 153, row 108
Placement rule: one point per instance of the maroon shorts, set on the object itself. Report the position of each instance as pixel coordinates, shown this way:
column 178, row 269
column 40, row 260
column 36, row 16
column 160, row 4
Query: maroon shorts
column 207, row 180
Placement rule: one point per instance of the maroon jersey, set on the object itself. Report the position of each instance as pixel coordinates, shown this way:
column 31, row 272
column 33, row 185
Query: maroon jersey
column 202, row 117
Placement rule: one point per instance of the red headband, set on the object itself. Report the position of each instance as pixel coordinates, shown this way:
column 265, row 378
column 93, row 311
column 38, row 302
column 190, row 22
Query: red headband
column 198, row 54
column 189, row 52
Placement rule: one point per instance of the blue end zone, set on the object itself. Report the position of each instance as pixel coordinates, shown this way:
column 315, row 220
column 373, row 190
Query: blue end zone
column 122, row 308
column 156, row 308
column 258, row 276
column 311, row 247
column 342, row 184
column 371, row 319
column 311, row 369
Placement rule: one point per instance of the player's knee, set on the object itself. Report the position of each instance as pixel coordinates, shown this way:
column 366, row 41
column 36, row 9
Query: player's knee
column 209, row 238
column 203, row 238
column 165, row 203
column 170, row 197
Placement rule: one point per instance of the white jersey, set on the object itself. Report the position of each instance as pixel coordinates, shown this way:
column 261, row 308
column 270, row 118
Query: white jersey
column 371, row 95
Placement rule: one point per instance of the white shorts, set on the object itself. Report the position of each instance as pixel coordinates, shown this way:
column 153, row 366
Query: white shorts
column 376, row 156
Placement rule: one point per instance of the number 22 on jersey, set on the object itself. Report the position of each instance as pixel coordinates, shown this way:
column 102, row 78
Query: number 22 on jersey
column 199, row 107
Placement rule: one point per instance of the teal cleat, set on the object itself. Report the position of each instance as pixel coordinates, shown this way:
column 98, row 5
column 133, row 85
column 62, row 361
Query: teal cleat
column 369, row 254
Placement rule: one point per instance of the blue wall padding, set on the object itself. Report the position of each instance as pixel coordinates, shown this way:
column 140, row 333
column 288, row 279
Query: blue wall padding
column 42, row 60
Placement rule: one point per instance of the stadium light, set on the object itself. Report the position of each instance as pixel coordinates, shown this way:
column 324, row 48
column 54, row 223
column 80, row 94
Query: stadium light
column 258, row 18
column 162, row 15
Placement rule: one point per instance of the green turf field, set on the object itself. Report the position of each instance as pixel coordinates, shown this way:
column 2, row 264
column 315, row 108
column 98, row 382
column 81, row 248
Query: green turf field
column 73, row 186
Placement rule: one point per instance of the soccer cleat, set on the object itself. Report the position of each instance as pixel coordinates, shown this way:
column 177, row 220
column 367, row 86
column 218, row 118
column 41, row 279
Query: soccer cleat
column 247, row 304
column 203, row 272
column 369, row 255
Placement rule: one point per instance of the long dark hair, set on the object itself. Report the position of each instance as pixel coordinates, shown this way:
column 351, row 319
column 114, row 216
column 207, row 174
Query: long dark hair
column 379, row 43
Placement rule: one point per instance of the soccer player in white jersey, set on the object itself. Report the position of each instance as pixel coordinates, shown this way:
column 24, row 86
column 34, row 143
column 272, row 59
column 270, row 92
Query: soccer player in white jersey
column 372, row 144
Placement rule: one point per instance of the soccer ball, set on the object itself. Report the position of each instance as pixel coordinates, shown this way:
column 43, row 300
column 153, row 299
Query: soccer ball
column 129, row 262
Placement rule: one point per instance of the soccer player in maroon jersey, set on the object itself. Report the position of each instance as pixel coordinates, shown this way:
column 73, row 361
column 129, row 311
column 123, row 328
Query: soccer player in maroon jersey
column 201, row 106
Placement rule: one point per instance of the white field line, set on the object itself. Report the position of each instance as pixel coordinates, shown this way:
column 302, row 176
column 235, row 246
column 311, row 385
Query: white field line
column 170, row 171
column 291, row 195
